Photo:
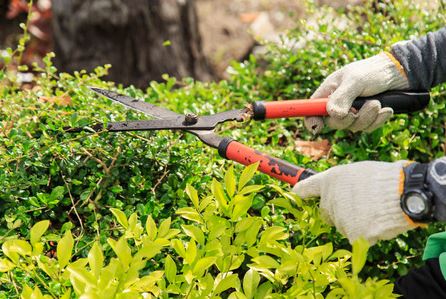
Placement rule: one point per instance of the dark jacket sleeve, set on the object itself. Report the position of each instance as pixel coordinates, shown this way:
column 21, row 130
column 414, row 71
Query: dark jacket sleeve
column 423, row 59
column 425, row 282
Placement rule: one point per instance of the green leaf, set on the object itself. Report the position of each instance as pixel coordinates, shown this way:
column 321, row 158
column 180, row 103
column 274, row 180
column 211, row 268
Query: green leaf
column 251, row 281
column 193, row 195
column 164, row 228
column 57, row 193
column 247, row 175
column 230, row 281
column 151, row 228
column 340, row 253
column 191, row 252
column 6, row 265
column 194, row 232
column 122, row 250
column 272, row 234
column 179, row 247
column 82, row 275
column 202, row 265
column 265, row 261
column 96, row 259
column 250, row 189
column 241, row 206
column 237, row 295
column 170, row 269
column 359, row 255
column 217, row 191
column 263, row 290
column 149, row 250
column 120, row 216
column 64, row 249
column 230, row 181
column 66, row 295
column 147, row 283
column 38, row 230
column 190, row 214
column 252, row 232
column 14, row 248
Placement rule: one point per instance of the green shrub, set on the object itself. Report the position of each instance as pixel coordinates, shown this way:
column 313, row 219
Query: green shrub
column 75, row 180
column 220, row 251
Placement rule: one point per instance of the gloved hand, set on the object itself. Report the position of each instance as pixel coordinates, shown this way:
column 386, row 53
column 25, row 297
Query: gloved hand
column 366, row 77
column 361, row 199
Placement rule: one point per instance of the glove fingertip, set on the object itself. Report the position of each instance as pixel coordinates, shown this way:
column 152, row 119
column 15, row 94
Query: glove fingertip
column 383, row 116
column 314, row 124
column 337, row 109
column 309, row 187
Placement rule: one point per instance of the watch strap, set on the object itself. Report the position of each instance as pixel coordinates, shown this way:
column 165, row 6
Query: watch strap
column 415, row 177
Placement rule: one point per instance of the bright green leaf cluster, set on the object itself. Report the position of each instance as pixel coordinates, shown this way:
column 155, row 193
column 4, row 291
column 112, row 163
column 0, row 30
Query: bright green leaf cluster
column 221, row 251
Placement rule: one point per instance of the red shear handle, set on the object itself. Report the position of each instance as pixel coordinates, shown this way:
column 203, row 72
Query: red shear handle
column 290, row 108
column 399, row 101
column 273, row 167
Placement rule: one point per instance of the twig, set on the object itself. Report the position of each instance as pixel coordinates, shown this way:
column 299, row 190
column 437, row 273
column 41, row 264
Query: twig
column 96, row 159
column 158, row 182
column 73, row 207
column 11, row 278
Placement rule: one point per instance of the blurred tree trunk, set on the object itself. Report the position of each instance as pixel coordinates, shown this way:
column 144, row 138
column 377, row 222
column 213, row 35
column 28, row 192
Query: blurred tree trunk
column 9, row 29
column 142, row 39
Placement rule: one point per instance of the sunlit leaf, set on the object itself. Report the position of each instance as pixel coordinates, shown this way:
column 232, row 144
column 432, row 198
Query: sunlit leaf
column 170, row 268
column 247, row 175
column 250, row 282
column 191, row 252
column 230, row 281
column 193, row 195
column 217, row 191
column 202, row 265
column 151, row 228
column 164, row 228
column 359, row 255
column 38, row 230
column 230, row 181
column 6, row 265
column 120, row 216
column 194, row 232
column 95, row 259
column 65, row 248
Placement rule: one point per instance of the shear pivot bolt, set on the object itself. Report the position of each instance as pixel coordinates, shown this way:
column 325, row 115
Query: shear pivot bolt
column 190, row 119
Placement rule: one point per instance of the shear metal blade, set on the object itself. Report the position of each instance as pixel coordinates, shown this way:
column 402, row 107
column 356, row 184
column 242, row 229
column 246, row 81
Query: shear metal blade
column 206, row 136
column 147, row 108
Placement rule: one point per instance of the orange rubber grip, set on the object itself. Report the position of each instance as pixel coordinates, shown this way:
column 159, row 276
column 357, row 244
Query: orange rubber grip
column 399, row 101
column 290, row 108
column 279, row 169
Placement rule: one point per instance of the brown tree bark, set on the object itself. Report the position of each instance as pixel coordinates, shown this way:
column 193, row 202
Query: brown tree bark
column 9, row 29
column 141, row 39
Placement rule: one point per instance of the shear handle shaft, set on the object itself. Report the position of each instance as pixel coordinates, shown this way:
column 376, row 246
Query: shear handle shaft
column 279, row 169
column 399, row 101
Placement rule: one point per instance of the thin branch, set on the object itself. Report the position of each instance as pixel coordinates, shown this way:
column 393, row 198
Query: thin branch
column 73, row 205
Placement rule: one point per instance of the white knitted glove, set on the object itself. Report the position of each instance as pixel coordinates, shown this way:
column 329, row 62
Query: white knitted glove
column 366, row 77
column 361, row 199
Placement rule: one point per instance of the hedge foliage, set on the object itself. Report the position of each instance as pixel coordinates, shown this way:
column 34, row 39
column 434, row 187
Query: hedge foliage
column 73, row 206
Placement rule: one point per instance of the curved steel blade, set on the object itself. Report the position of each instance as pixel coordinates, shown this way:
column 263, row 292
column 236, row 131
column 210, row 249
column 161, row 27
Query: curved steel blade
column 207, row 136
column 147, row 108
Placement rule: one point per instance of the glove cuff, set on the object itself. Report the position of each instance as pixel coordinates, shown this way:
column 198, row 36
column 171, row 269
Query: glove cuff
column 394, row 71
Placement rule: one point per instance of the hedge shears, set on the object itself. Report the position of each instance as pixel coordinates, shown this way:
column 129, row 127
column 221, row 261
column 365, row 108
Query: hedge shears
column 203, row 126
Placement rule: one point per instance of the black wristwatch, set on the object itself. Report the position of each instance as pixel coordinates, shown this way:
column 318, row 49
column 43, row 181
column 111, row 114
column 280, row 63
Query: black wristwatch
column 417, row 201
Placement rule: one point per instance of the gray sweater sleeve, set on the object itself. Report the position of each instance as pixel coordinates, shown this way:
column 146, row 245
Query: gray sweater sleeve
column 423, row 59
